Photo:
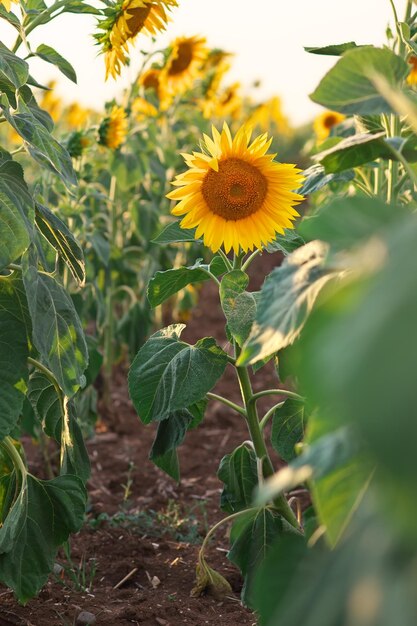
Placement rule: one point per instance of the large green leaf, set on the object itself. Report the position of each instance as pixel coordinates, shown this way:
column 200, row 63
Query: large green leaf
column 40, row 143
column 62, row 239
column 13, row 68
column 16, row 213
column 348, row 87
column 40, row 520
column 164, row 284
column 239, row 306
column 251, row 538
column 348, row 222
column 57, row 330
column 59, row 421
column 238, row 472
column 285, row 301
column 48, row 54
column 288, row 424
column 14, row 351
column 168, row 374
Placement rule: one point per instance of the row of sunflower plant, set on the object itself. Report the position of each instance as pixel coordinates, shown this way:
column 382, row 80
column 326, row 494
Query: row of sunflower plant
column 84, row 226
column 337, row 319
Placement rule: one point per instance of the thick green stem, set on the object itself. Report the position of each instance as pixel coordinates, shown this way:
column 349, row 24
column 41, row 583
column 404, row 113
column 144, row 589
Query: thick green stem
column 261, row 451
column 109, row 325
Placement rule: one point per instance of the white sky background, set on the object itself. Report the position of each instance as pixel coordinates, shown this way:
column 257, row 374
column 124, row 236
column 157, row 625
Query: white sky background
column 267, row 37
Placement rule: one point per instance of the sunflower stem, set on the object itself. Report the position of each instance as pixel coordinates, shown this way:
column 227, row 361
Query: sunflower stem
column 229, row 403
column 249, row 260
column 225, row 259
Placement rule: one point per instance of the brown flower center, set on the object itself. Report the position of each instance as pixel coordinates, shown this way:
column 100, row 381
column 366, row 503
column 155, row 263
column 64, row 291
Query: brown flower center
column 136, row 18
column 182, row 60
column 329, row 121
column 236, row 191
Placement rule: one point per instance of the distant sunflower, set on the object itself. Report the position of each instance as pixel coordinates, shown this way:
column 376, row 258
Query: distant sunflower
column 234, row 193
column 270, row 113
column 227, row 103
column 76, row 116
column 325, row 122
column 8, row 4
column 412, row 77
column 184, row 63
column 142, row 109
column 125, row 20
column 113, row 129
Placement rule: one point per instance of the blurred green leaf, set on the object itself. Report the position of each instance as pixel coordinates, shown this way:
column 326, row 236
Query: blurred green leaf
column 238, row 305
column 288, row 424
column 238, row 472
column 316, row 178
column 173, row 233
column 332, row 50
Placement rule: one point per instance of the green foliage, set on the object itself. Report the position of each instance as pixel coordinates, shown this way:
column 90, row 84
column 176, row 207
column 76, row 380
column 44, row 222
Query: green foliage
column 168, row 374
column 348, row 86
column 238, row 305
column 288, row 426
column 239, row 473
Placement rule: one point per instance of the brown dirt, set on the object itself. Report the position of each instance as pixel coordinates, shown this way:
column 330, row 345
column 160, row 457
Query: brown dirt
column 155, row 543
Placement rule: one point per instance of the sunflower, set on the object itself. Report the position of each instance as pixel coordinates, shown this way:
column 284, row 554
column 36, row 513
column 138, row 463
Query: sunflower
column 325, row 122
column 142, row 109
column 8, row 4
column 228, row 103
column 184, row 63
column 125, row 20
column 412, row 77
column 113, row 129
column 270, row 113
column 50, row 102
column 234, row 193
column 76, row 116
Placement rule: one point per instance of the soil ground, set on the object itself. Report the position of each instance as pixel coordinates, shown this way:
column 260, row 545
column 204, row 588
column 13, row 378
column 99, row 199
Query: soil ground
column 153, row 527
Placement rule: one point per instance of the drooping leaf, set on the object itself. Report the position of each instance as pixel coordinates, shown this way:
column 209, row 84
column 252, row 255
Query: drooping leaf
column 239, row 306
column 40, row 143
column 14, row 352
column 170, row 434
column 285, row 301
column 40, row 520
column 251, row 538
column 239, row 473
column 12, row 68
column 348, row 88
column 62, row 239
column 288, row 424
column 332, row 50
column 316, row 178
column 164, row 284
column 48, row 54
column 168, row 374
column 57, row 331
column 16, row 213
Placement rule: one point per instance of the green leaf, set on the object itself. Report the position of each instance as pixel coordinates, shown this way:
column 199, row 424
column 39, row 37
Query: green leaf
column 64, row 242
column 316, row 178
column 288, row 424
column 173, row 233
column 40, row 520
column 50, row 55
column 16, row 213
column 276, row 576
column 348, row 87
column 238, row 305
column 348, row 222
column 239, row 473
column 14, row 352
column 57, row 330
column 334, row 49
column 286, row 243
column 60, row 423
column 170, row 434
column 40, row 143
column 168, row 374
column 79, row 6
column 164, row 284
column 12, row 68
column 251, row 538
column 285, row 301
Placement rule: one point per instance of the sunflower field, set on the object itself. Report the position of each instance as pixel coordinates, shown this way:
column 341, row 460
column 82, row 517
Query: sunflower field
column 208, row 344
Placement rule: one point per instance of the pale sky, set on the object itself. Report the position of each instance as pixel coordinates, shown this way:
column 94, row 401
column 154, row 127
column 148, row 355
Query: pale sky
column 266, row 36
